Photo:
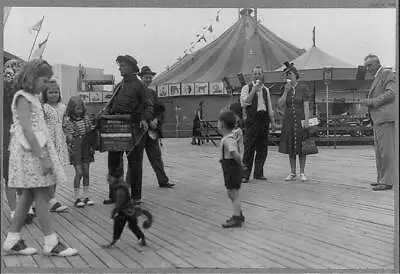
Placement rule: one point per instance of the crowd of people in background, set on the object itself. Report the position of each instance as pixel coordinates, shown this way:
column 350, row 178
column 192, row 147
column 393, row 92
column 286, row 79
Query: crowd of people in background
column 42, row 135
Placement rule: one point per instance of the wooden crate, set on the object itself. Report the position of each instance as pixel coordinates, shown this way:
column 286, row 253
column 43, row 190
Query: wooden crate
column 115, row 133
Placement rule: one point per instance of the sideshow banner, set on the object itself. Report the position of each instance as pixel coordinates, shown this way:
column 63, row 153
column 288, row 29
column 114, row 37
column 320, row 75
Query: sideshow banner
column 200, row 88
column 217, row 88
column 174, row 90
column 106, row 96
column 84, row 96
column 95, row 97
column 187, row 89
column 162, row 90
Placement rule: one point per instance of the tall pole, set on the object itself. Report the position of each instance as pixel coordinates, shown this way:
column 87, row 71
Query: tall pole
column 37, row 34
column 327, row 107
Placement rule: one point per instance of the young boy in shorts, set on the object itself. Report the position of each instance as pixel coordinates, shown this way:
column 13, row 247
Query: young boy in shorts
column 232, row 166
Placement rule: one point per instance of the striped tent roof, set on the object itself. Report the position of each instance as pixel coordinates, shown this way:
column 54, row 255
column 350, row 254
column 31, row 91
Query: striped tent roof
column 314, row 58
column 244, row 45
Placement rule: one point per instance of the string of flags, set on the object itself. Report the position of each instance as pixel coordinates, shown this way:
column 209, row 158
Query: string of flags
column 201, row 36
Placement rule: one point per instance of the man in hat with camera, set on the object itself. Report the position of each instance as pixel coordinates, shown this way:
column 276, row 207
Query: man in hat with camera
column 152, row 143
column 129, row 97
column 255, row 99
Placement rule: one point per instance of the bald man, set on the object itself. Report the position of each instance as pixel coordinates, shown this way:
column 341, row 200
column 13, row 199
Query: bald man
column 382, row 111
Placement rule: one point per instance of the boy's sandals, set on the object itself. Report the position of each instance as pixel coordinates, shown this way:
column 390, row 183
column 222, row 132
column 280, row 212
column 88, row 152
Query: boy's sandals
column 58, row 207
column 20, row 248
column 60, row 250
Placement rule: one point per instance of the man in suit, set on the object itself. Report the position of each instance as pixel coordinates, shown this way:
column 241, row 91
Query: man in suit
column 382, row 111
column 255, row 99
column 130, row 97
column 152, row 144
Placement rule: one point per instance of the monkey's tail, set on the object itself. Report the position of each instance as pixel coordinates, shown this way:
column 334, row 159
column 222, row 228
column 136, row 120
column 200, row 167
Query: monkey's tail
column 147, row 223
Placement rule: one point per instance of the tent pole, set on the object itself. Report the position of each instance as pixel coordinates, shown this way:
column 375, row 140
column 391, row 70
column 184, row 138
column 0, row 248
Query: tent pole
column 315, row 105
column 327, row 108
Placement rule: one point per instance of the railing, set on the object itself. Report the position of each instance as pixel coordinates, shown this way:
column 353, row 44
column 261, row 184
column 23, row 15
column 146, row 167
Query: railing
column 341, row 129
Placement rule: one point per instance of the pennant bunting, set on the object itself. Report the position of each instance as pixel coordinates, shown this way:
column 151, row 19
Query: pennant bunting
column 40, row 50
column 37, row 26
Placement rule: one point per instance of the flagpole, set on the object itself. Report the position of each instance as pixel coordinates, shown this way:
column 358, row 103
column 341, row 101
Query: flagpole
column 34, row 42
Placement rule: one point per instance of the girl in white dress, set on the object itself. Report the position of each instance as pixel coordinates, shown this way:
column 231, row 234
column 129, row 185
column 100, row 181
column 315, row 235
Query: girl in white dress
column 54, row 111
column 34, row 162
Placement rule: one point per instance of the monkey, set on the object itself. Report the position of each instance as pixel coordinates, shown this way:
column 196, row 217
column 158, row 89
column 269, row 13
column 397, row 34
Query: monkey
column 125, row 211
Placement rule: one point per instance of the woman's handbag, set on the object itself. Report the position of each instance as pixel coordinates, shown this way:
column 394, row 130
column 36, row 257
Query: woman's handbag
column 308, row 147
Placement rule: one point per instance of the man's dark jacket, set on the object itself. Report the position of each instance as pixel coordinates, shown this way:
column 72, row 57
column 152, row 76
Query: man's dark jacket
column 131, row 98
column 158, row 110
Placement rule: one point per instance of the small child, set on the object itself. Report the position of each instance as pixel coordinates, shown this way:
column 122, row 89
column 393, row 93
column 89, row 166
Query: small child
column 54, row 110
column 78, row 128
column 232, row 167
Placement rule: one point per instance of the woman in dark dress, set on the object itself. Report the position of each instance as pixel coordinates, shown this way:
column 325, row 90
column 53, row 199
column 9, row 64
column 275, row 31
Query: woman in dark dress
column 295, row 100
column 198, row 117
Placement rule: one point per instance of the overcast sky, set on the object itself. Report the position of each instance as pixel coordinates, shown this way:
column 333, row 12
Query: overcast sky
column 156, row 37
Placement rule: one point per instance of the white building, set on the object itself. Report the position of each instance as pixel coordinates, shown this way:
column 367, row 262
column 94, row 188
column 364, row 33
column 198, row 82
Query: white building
column 74, row 80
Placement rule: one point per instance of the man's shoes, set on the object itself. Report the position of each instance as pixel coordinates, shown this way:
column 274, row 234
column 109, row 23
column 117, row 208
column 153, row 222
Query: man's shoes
column 374, row 184
column 167, row 185
column 29, row 218
column 381, row 187
column 262, row 178
column 235, row 221
column 108, row 202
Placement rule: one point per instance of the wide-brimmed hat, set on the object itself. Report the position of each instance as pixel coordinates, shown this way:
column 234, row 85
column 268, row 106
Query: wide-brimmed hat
column 146, row 70
column 291, row 68
column 129, row 60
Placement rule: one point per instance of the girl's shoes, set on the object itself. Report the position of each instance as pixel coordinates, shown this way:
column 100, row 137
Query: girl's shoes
column 19, row 248
column 79, row 203
column 291, row 177
column 58, row 207
column 60, row 250
column 88, row 202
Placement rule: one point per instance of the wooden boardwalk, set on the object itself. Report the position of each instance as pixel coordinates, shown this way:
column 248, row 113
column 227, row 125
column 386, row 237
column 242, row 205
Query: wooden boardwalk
column 333, row 221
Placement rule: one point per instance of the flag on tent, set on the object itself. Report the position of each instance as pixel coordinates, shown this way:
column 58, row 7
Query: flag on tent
column 6, row 14
column 37, row 26
column 39, row 51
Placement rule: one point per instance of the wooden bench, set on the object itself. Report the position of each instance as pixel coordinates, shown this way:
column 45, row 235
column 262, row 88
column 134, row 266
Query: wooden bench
column 209, row 131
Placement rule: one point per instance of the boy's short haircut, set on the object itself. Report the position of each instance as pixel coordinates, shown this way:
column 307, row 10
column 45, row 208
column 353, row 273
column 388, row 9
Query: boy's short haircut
column 228, row 118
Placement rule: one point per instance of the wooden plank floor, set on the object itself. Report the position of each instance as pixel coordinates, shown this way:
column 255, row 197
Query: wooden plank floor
column 333, row 221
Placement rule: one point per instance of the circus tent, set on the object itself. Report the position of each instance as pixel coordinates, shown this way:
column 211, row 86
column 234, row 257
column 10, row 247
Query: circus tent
column 244, row 45
column 315, row 58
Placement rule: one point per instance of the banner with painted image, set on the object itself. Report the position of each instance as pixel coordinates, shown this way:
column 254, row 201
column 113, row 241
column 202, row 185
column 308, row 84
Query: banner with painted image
column 201, row 89
column 187, row 89
column 106, row 96
column 85, row 96
column 95, row 97
column 162, row 90
column 174, row 90
column 217, row 88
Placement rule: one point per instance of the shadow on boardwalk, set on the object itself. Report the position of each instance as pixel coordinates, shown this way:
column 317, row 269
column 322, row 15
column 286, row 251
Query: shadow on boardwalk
column 332, row 221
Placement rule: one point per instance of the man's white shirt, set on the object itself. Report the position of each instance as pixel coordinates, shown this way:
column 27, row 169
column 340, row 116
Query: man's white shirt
column 260, row 102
